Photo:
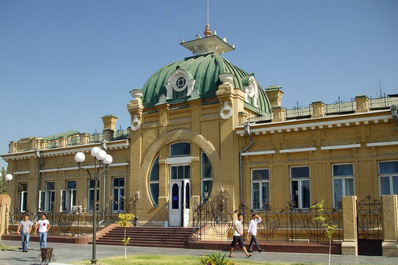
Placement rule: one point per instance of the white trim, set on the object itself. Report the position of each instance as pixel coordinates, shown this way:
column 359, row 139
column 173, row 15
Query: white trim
column 179, row 160
column 21, row 172
column 21, row 155
column 345, row 146
column 307, row 149
column 320, row 124
column 84, row 167
column 382, row 143
column 257, row 153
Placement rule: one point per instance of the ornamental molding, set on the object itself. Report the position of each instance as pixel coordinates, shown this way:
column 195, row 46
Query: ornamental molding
column 135, row 123
column 226, row 111
column 251, row 90
column 178, row 81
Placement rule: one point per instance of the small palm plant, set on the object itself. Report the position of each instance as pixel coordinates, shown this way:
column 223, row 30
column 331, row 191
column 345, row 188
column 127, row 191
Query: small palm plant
column 124, row 221
column 324, row 220
column 216, row 258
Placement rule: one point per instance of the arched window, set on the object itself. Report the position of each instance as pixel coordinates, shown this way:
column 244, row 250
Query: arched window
column 154, row 182
column 180, row 149
column 207, row 176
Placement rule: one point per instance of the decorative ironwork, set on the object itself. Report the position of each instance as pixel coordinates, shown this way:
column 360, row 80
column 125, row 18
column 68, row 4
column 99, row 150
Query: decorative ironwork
column 370, row 214
column 293, row 224
column 212, row 217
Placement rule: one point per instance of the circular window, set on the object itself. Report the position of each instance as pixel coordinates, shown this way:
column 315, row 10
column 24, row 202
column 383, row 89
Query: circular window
column 180, row 83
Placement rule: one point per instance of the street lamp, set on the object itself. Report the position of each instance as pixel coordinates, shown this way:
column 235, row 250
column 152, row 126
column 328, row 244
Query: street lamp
column 102, row 161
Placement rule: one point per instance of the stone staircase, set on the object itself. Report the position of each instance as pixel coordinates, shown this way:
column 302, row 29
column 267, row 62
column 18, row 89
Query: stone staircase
column 172, row 237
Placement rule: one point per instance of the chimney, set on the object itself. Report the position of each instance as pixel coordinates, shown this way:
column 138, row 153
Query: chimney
column 109, row 126
column 274, row 94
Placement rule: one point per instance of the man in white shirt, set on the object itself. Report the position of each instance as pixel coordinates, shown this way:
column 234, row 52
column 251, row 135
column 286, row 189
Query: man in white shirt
column 238, row 236
column 44, row 226
column 253, row 232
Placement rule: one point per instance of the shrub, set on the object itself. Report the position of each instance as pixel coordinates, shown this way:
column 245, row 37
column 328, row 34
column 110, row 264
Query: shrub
column 215, row 259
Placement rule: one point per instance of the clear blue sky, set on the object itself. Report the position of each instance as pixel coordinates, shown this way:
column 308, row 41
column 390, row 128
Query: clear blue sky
column 64, row 64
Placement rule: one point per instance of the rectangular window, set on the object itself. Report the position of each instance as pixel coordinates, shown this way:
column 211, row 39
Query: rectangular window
column 47, row 198
column 23, row 196
column 118, row 195
column 260, row 189
column 388, row 174
column 343, row 183
column 91, row 194
column 300, row 186
column 68, row 197
column 180, row 172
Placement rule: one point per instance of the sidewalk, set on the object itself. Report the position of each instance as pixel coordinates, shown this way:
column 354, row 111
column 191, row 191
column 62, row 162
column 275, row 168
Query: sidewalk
column 67, row 253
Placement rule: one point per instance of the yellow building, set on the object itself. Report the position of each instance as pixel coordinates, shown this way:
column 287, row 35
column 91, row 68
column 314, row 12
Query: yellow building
column 201, row 126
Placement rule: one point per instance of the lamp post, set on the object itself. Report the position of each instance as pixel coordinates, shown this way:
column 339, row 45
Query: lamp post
column 7, row 178
column 102, row 161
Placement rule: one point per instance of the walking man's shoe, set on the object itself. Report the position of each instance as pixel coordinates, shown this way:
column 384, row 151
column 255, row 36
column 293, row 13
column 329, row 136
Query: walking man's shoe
column 259, row 251
column 250, row 251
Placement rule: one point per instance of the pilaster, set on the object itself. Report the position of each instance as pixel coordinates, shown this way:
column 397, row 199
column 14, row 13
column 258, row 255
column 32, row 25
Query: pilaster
column 349, row 246
column 390, row 225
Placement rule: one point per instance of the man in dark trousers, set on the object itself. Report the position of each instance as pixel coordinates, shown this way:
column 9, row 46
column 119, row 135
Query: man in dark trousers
column 253, row 232
column 238, row 236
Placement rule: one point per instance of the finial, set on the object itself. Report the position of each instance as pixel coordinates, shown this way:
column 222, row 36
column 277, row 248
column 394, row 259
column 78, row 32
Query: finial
column 207, row 31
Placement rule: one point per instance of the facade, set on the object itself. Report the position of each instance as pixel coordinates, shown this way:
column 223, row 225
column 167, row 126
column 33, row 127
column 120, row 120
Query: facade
column 202, row 126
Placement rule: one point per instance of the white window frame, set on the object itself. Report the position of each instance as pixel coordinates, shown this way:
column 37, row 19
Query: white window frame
column 343, row 178
column 390, row 177
column 300, row 180
column 69, row 194
column 23, row 196
column 118, row 188
column 260, row 182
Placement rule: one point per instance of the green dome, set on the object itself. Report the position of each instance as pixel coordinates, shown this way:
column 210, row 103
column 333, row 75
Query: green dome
column 205, row 70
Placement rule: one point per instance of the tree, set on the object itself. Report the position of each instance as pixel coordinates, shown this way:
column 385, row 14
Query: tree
column 324, row 220
column 3, row 182
column 124, row 221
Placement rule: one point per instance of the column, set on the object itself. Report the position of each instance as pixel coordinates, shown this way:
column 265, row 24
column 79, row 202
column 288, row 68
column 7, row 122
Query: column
column 349, row 245
column 390, row 225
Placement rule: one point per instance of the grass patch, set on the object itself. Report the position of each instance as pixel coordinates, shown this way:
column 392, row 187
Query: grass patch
column 165, row 260
column 7, row 248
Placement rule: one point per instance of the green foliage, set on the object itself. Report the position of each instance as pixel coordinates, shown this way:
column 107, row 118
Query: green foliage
column 125, row 219
column 215, row 259
column 329, row 229
column 3, row 182
column 126, row 241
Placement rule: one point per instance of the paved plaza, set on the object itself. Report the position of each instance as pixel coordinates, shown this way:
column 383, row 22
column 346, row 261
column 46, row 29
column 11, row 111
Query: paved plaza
column 67, row 253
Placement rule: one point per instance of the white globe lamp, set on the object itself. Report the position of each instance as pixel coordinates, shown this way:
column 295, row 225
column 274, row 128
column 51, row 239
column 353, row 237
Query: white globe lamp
column 8, row 177
column 101, row 155
column 94, row 151
column 108, row 160
column 80, row 157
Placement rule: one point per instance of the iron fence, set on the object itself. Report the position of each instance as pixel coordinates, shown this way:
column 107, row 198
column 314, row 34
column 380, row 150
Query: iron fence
column 79, row 221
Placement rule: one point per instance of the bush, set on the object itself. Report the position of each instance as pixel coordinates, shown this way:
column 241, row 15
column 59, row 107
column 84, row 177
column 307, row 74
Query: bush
column 216, row 259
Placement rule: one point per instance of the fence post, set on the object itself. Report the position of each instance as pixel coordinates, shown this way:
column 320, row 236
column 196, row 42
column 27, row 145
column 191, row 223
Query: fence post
column 349, row 246
column 390, row 225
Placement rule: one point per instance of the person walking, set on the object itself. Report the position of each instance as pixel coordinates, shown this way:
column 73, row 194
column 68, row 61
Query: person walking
column 44, row 226
column 238, row 236
column 252, row 231
column 24, row 228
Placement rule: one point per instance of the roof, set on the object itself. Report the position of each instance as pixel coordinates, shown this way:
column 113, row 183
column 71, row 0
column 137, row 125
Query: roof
column 60, row 135
column 205, row 70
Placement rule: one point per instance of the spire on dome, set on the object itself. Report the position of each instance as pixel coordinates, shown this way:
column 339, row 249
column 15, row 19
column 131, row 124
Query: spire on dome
column 207, row 31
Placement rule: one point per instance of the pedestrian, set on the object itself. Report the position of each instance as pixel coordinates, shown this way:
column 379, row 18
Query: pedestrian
column 24, row 228
column 44, row 226
column 252, row 231
column 238, row 236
